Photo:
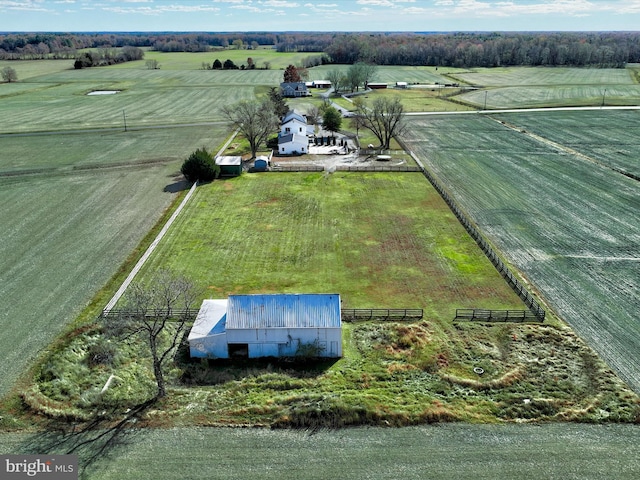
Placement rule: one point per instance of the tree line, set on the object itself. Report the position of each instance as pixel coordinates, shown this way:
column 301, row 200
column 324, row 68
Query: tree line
column 605, row 50
column 595, row 49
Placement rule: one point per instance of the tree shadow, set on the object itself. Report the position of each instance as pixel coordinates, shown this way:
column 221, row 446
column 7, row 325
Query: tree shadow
column 92, row 441
column 176, row 187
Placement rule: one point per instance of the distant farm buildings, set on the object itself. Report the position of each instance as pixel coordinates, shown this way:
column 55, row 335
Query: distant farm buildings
column 294, row 89
column 268, row 325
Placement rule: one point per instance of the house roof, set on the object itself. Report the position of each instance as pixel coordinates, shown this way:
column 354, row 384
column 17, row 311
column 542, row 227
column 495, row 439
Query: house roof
column 292, row 115
column 294, row 85
column 293, row 138
column 283, row 311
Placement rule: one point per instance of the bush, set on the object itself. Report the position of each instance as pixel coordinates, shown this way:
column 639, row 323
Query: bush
column 200, row 166
column 101, row 353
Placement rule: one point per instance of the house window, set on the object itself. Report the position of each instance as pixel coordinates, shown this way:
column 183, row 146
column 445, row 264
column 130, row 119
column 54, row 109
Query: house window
column 287, row 129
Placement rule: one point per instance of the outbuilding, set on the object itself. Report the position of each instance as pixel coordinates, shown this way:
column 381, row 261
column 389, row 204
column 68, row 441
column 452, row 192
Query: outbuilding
column 262, row 163
column 230, row 166
column 268, row 325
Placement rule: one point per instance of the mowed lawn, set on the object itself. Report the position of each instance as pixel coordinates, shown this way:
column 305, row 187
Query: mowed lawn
column 568, row 223
column 74, row 207
column 380, row 240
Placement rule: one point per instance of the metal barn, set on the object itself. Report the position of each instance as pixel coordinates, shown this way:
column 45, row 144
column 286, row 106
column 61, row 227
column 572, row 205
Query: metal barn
column 271, row 325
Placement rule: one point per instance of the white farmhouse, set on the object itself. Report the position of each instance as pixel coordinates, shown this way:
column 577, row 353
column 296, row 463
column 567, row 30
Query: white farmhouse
column 292, row 138
column 269, row 325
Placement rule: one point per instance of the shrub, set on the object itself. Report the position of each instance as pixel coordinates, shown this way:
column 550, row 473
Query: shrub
column 200, row 166
column 101, row 353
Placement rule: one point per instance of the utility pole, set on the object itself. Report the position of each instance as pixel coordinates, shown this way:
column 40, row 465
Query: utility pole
column 603, row 95
column 124, row 117
column 485, row 99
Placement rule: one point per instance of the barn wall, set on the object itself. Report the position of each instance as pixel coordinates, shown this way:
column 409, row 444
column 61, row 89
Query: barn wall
column 267, row 342
column 213, row 346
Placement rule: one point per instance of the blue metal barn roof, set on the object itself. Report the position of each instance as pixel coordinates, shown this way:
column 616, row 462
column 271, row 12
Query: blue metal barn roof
column 284, row 311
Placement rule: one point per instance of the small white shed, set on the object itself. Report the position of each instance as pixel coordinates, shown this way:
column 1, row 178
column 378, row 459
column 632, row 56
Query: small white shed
column 267, row 325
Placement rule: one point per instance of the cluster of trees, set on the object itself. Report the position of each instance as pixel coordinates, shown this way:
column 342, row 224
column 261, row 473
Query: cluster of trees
column 612, row 49
column 108, row 56
column 230, row 65
column 293, row 74
column 358, row 75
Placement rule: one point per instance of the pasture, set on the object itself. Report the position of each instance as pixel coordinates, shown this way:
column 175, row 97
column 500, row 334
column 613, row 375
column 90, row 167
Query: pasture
column 567, row 223
column 346, row 233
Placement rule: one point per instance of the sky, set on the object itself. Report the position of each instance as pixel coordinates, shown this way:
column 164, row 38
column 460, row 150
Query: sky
column 318, row 15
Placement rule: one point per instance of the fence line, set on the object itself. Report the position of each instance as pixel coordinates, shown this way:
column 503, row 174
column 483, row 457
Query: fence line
column 347, row 168
column 378, row 168
column 189, row 313
column 480, row 315
column 353, row 314
column 149, row 251
column 506, row 273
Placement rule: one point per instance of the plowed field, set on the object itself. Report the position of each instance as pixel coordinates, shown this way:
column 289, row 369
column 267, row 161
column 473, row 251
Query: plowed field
column 568, row 223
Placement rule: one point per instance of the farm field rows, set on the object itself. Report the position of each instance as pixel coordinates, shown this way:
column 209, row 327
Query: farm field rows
column 552, row 96
column 50, row 153
column 63, row 238
column 529, row 76
column 568, row 224
column 67, row 107
column 607, row 137
column 70, row 223
column 447, row 451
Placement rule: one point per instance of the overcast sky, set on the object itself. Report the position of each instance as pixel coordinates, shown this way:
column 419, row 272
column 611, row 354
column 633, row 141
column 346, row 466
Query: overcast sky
column 318, row 15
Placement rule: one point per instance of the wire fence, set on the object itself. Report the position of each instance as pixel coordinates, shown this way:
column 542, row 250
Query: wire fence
column 480, row 315
column 517, row 286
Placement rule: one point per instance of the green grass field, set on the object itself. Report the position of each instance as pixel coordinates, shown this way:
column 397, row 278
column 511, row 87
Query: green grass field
column 566, row 222
column 552, row 96
column 310, row 233
column 66, row 232
column 530, row 76
column 75, row 206
column 448, row 451
column 603, row 136
column 381, row 241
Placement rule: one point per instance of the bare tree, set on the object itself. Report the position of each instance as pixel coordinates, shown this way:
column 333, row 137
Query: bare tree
column 256, row 121
column 384, row 118
column 157, row 314
column 337, row 79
